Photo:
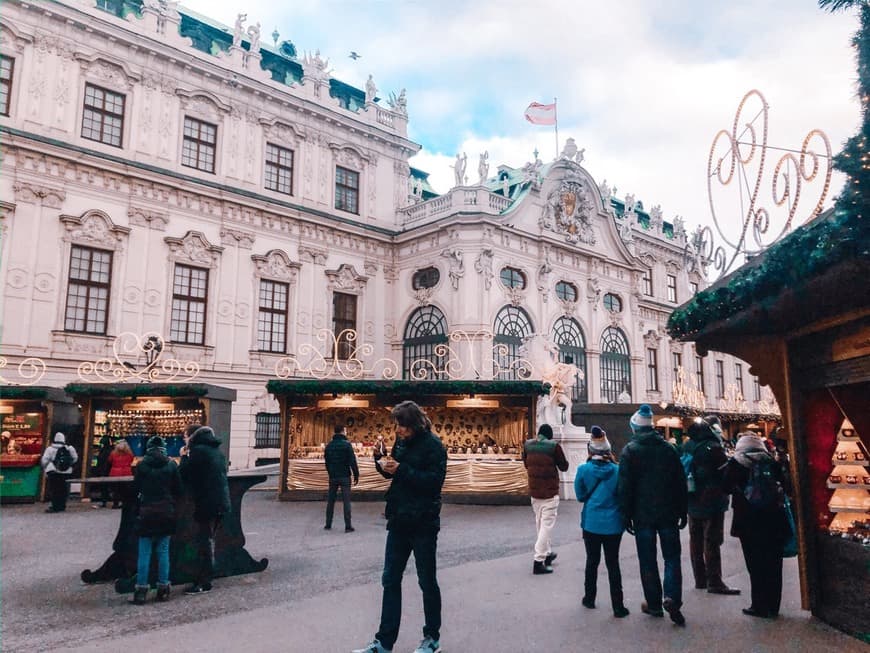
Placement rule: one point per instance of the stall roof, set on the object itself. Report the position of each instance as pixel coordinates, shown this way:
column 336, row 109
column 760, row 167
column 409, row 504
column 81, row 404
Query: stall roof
column 134, row 390
column 34, row 392
column 404, row 387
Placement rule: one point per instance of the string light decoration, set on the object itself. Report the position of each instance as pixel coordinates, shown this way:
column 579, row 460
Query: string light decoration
column 30, row 371
column 131, row 350
column 687, row 394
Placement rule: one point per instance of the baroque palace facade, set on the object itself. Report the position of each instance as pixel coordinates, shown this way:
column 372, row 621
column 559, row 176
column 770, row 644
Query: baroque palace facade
column 163, row 174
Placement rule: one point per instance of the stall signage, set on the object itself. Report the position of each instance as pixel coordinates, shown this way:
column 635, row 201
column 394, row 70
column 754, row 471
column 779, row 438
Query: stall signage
column 23, row 423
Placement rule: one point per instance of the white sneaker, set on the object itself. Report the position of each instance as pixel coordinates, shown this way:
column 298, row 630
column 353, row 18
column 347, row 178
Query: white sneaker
column 374, row 647
column 429, row 645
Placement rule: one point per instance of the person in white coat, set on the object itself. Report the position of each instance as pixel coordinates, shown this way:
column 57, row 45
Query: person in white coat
column 57, row 462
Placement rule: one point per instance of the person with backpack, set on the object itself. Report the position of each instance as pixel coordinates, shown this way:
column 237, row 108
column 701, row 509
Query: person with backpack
column 601, row 522
column 760, row 522
column 704, row 462
column 340, row 463
column 57, row 461
column 158, row 485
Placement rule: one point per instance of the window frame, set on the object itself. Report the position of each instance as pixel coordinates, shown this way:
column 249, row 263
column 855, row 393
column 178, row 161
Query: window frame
column 344, row 346
column 693, row 287
column 344, row 190
column 89, row 284
column 7, row 84
column 276, row 167
column 672, row 288
column 513, row 275
column 425, row 339
column 652, row 370
column 720, row 379
column 191, row 299
column 272, row 314
column 104, row 115
column 568, row 337
column 647, row 280
column 677, row 362
column 511, row 325
column 614, row 359
column 561, row 286
column 699, row 373
column 271, row 424
column 421, row 278
column 610, row 298
column 199, row 143
column 757, row 388
column 738, row 377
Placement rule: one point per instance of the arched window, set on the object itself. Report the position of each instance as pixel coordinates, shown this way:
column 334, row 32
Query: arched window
column 512, row 324
column 426, row 329
column 615, row 365
column 568, row 337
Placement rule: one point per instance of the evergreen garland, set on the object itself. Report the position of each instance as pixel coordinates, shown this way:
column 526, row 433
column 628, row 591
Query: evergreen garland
column 405, row 387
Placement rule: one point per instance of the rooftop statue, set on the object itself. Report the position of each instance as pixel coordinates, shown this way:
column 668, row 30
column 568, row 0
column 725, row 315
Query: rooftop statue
column 239, row 30
column 459, row 168
column 483, row 167
column 371, row 90
column 254, row 37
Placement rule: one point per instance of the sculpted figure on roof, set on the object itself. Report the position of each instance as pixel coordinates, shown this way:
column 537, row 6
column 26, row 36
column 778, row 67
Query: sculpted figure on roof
column 459, row 168
column 254, row 38
column 239, row 30
column 371, row 90
column 483, row 167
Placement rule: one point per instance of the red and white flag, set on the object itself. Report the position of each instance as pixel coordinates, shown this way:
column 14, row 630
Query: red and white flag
column 541, row 114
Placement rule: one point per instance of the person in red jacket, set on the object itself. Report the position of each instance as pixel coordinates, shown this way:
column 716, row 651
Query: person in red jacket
column 120, row 464
column 544, row 459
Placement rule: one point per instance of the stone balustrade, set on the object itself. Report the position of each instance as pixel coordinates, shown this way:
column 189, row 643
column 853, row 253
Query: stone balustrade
column 461, row 198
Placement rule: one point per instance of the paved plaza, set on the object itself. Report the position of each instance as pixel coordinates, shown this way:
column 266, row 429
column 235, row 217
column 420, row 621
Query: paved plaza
column 321, row 591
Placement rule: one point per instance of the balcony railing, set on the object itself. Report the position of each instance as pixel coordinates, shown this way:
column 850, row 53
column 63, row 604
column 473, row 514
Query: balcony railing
column 458, row 199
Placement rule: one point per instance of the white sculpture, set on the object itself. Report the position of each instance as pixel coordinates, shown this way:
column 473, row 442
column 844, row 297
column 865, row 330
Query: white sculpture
column 398, row 103
column 506, row 186
column 483, row 167
column 371, row 90
column 483, row 266
column 254, row 37
column 457, row 265
column 459, row 168
column 543, row 356
column 239, row 30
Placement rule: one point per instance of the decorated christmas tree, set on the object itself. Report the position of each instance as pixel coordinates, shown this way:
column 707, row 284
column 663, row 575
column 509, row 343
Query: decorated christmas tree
column 850, row 480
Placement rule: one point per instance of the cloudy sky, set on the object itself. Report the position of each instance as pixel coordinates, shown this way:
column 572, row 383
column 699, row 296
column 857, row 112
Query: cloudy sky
column 642, row 85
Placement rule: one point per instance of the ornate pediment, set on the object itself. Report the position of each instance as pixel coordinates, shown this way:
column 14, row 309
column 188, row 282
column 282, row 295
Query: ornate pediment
column 345, row 278
column 95, row 228
column 203, row 104
column 275, row 264
column 350, row 156
column 283, row 133
column 194, row 248
column 106, row 72
column 568, row 211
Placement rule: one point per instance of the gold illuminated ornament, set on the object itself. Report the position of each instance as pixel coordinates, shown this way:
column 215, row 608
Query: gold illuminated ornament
column 687, row 394
column 30, row 371
column 569, row 203
column 138, row 358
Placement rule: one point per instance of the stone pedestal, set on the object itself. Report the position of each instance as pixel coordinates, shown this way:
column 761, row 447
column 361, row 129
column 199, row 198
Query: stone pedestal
column 574, row 441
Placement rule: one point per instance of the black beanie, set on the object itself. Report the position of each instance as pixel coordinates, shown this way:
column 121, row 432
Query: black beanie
column 546, row 431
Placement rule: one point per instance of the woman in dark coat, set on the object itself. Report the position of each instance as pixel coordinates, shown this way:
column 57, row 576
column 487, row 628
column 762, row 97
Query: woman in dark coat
column 763, row 530
column 158, row 484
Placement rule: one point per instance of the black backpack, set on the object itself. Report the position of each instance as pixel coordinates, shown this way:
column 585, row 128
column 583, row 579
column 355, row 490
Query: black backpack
column 763, row 490
column 62, row 459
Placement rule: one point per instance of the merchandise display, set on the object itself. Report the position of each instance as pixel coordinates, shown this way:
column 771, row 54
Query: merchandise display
column 850, row 480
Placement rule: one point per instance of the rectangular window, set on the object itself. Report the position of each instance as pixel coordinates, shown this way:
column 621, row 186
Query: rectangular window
column 200, row 144
column 103, row 116
column 272, row 322
column 268, row 431
column 647, row 283
column 87, row 298
column 738, row 377
column 279, row 169
column 678, row 364
column 672, row 288
column 189, row 301
column 756, row 388
column 699, row 373
column 693, row 286
column 7, row 66
column 346, row 190
column 720, row 379
column 343, row 318
column 652, row 370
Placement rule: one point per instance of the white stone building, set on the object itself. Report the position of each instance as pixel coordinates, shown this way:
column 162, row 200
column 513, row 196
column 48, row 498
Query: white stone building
column 163, row 174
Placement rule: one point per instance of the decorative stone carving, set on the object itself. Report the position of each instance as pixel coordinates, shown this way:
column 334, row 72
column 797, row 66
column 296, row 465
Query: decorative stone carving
column 423, row 296
column 345, row 278
column 568, row 307
column 38, row 194
column 483, row 167
column 285, row 133
column 626, row 231
column 151, row 219
column 399, row 103
column 12, row 38
column 515, row 295
column 679, row 228
column 194, row 248
column 571, row 153
column 569, row 211
column 276, row 264
column 483, row 266
column 651, row 339
column 113, row 74
column 655, row 219
column 371, row 90
column 203, row 104
column 243, row 239
column 459, row 169
column 544, row 270
column 316, row 68
column 370, row 268
column 457, row 265
column 94, row 227
column 313, row 255
column 593, row 292
column 349, row 156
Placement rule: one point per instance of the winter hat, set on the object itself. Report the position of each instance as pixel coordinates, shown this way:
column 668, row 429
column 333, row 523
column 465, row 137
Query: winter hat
column 642, row 419
column 599, row 444
column 545, row 431
column 155, row 442
column 59, row 438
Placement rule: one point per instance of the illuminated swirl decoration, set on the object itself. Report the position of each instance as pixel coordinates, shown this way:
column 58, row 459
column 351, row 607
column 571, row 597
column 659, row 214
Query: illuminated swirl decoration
column 341, row 357
column 30, row 371
column 739, row 161
column 455, row 360
column 129, row 347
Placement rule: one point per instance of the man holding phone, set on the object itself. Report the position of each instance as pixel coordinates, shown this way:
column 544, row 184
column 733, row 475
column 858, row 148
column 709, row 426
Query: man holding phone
column 417, row 466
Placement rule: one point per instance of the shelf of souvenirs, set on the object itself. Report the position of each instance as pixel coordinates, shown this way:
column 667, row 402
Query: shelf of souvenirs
column 847, row 433
column 850, row 453
column 853, row 500
column 849, row 477
column 121, row 423
column 851, row 526
column 453, row 453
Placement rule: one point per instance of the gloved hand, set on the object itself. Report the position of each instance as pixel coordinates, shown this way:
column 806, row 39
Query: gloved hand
column 682, row 523
column 629, row 526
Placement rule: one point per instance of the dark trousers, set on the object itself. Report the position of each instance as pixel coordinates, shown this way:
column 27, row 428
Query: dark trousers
column 764, row 563
column 400, row 545
column 334, row 485
column 645, row 538
column 594, row 544
column 205, row 534
column 58, row 490
column 705, row 539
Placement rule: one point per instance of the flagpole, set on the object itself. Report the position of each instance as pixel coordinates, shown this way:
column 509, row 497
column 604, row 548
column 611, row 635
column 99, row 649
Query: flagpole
column 556, row 123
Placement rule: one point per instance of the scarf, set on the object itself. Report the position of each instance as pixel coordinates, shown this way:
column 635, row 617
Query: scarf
column 750, row 450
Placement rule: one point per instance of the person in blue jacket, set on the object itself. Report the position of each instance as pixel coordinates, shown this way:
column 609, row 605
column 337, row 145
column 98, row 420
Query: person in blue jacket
column 601, row 521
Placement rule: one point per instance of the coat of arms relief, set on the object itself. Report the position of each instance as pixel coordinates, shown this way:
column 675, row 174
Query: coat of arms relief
column 568, row 211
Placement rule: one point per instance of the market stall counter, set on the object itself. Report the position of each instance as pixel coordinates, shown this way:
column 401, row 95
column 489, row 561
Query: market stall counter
column 231, row 557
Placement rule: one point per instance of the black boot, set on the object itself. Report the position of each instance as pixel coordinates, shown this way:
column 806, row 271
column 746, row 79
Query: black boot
column 163, row 593
column 540, row 567
column 139, row 595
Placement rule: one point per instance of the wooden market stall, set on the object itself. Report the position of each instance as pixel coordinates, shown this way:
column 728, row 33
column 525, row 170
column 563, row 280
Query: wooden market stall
column 800, row 315
column 29, row 418
column 483, row 425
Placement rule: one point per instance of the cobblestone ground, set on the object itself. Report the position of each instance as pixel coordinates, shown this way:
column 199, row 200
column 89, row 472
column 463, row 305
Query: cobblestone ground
column 321, row 591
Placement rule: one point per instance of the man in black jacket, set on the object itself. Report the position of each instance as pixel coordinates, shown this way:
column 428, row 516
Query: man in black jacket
column 417, row 468
column 653, row 500
column 340, row 464
column 204, row 472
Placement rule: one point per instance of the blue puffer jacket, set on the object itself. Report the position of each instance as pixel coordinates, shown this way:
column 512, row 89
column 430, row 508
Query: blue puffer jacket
column 600, row 507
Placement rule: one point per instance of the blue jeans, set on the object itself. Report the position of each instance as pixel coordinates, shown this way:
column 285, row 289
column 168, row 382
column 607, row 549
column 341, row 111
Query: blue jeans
column 400, row 544
column 161, row 543
column 645, row 538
